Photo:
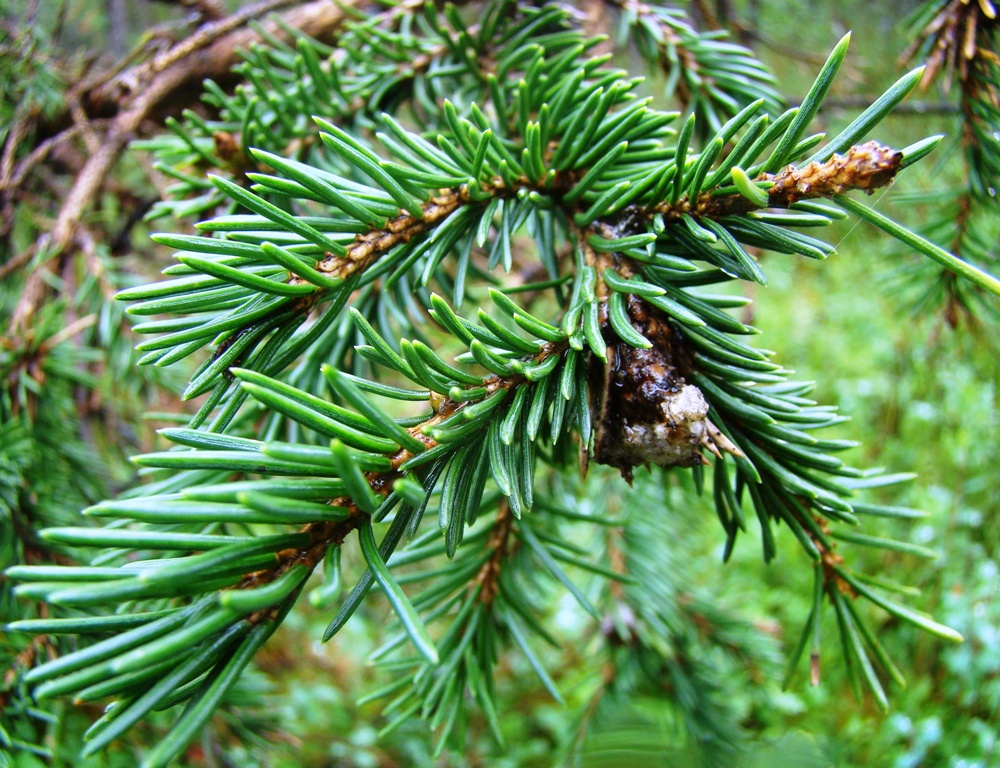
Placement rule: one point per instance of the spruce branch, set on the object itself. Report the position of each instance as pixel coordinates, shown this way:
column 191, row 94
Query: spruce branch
column 316, row 284
column 959, row 43
column 706, row 74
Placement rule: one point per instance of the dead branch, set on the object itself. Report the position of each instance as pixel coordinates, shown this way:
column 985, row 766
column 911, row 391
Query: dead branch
column 212, row 50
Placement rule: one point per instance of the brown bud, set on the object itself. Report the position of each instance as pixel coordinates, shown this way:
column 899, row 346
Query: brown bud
column 227, row 147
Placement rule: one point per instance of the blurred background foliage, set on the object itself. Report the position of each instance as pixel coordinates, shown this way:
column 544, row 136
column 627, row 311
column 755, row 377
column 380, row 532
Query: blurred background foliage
column 919, row 384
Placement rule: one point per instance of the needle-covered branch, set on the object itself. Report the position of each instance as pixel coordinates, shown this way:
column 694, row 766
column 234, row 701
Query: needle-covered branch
column 418, row 334
column 707, row 75
column 864, row 167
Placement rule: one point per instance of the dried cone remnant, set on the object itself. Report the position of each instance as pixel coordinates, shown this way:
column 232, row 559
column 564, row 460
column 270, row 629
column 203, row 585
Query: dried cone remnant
column 645, row 411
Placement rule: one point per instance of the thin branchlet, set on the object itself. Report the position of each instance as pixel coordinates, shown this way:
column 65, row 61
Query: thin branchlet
column 865, row 167
column 488, row 576
column 369, row 246
column 324, row 535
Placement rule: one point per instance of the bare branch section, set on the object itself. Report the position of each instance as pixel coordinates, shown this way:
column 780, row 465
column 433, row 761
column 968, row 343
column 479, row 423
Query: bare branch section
column 213, row 49
column 865, row 166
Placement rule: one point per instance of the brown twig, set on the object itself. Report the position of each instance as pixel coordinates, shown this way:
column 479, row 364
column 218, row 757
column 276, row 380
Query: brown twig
column 865, row 166
column 209, row 10
column 369, row 246
column 14, row 264
column 40, row 152
column 488, row 576
column 20, row 128
column 209, row 44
